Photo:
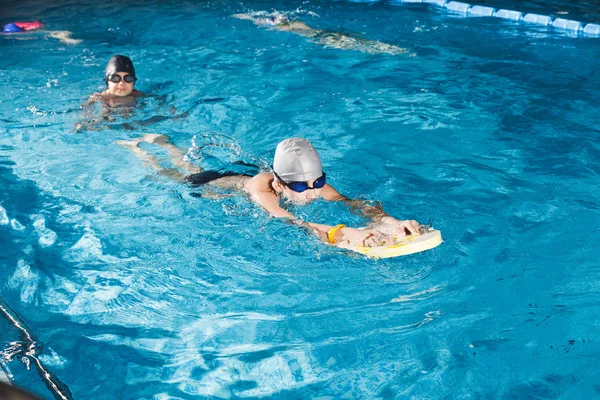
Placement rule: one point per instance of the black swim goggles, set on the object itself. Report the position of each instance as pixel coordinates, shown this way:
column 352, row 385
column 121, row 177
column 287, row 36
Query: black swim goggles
column 300, row 187
column 114, row 78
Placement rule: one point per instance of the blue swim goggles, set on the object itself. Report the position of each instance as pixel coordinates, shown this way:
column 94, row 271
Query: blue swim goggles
column 300, row 187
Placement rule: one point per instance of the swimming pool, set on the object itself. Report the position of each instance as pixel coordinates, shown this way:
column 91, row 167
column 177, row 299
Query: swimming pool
column 137, row 288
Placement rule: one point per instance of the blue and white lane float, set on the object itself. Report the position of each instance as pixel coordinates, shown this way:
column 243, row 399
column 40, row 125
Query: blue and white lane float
column 469, row 10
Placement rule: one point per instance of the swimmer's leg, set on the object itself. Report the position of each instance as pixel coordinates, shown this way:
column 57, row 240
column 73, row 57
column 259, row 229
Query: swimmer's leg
column 376, row 47
column 345, row 42
column 151, row 159
column 176, row 154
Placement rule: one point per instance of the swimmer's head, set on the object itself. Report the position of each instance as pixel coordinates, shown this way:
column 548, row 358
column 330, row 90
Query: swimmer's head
column 272, row 20
column 11, row 28
column 298, row 171
column 119, row 64
column 296, row 160
column 120, row 76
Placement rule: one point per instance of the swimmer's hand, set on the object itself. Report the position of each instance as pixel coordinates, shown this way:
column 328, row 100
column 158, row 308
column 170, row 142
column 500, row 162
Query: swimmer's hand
column 363, row 237
column 399, row 228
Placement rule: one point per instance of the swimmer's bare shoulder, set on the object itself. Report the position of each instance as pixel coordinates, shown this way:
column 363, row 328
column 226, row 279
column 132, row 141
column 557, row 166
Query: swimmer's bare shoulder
column 243, row 16
column 259, row 183
column 260, row 190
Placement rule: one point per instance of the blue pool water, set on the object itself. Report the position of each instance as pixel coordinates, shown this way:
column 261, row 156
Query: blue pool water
column 132, row 287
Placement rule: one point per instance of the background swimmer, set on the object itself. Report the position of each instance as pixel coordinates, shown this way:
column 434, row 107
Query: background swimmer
column 119, row 99
column 120, row 78
column 297, row 176
column 285, row 22
column 20, row 27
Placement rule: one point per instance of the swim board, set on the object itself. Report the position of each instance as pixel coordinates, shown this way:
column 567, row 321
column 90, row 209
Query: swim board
column 428, row 239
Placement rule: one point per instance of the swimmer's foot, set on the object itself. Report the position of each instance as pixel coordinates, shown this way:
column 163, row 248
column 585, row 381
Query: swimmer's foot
column 178, row 158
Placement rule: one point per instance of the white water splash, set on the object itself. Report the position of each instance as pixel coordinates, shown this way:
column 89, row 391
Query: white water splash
column 46, row 236
column 90, row 247
column 16, row 225
column 53, row 359
column 3, row 216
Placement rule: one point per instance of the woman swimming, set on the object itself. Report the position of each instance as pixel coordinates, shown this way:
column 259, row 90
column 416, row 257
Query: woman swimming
column 283, row 22
column 297, row 176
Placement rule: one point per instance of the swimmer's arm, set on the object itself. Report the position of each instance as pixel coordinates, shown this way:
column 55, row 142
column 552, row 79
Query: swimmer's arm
column 373, row 212
column 259, row 189
column 268, row 200
column 342, row 236
column 93, row 99
column 243, row 16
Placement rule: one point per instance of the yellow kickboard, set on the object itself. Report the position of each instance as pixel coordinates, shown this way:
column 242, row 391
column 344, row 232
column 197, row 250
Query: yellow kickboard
column 408, row 245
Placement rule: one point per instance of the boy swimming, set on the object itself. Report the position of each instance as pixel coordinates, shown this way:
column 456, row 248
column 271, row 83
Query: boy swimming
column 120, row 99
column 297, row 176
column 120, row 78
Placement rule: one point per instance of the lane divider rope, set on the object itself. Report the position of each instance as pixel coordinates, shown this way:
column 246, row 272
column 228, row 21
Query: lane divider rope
column 32, row 349
column 469, row 10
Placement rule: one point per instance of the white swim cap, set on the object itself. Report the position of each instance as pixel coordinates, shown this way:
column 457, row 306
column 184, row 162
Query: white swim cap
column 296, row 160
